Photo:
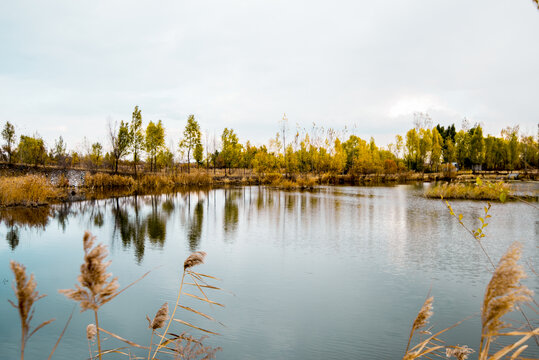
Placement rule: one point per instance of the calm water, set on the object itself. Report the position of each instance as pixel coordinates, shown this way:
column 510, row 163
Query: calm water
column 337, row 273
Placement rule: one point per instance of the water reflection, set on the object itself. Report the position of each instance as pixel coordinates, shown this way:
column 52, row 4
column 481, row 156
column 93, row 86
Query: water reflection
column 195, row 228
column 366, row 246
column 12, row 237
column 231, row 212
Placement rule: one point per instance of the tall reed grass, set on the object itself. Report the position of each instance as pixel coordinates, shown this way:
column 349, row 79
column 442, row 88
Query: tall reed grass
column 28, row 190
column 503, row 295
column 96, row 287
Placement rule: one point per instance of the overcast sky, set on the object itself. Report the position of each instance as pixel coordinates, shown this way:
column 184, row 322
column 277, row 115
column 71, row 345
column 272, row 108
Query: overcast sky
column 68, row 66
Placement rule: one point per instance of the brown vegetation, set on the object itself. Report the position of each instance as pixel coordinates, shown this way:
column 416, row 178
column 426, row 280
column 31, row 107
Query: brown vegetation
column 28, row 190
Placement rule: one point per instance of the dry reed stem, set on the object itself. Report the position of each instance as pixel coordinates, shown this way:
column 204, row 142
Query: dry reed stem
column 27, row 295
column 157, row 323
column 95, row 289
column 503, row 293
column 194, row 259
column 61, row 334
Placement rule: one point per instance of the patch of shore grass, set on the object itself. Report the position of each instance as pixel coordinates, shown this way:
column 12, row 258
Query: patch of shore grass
column 497, row 191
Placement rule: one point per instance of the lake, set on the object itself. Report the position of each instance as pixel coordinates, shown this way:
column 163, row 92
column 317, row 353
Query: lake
column 335, row 273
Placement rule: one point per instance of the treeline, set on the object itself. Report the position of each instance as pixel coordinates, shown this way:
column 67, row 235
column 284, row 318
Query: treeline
column 424, row 148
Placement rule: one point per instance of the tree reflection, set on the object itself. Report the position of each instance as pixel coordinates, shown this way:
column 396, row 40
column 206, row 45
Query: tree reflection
column 231, row 212
column 23, row 217
column 194, row 232
column 12, row 237
column 132, row 230
column 156, row 224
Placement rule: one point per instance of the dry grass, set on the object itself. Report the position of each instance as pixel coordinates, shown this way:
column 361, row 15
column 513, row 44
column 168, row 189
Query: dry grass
column 101, row 181
column 193, row 179
column 148, row 182
column 477, row 191
column 28, row 190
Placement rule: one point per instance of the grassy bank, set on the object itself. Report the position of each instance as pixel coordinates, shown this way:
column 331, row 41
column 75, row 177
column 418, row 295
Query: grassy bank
column 498, row 191
column 29, row 190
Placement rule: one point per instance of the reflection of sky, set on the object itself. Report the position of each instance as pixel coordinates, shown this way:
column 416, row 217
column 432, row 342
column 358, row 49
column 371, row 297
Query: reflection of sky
column 354, row 259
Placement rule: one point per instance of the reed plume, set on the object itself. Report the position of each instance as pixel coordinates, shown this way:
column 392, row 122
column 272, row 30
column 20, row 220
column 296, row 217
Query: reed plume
column 157, row 323
column 422, row 319
column 27, row 295
column 160, row 317
column 503, row 293
column 91, row 332
column 194, row 259
column 95, row 289
column 458, row 352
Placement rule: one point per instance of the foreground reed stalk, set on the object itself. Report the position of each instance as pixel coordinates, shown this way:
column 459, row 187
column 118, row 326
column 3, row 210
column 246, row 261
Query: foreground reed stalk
column 158, row 322
column 162, row 337
column 91, row 332
column 95, row 289
column 194, row 259
column 27, row 295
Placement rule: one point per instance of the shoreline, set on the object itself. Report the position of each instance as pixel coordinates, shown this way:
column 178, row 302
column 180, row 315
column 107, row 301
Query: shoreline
column 70, row 184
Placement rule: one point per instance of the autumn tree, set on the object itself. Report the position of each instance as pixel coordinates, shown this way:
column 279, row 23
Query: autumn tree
column 155, row 141
column 231, row 148
column 120, row 140
column 31, row 150
column 8, row 134
column 412, row 149
column 136, row 137
column 436, row 150
column 96, row 155
column 165, row 158
column 60, row 151
column 462, row 145
column 191, row 141
column 477, row 146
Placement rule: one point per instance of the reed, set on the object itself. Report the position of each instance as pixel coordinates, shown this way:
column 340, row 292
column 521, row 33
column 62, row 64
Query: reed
column 198, row 283
column 27, row 296
column 157, row 323
column 503, row 293
column 28, row 190
column 91, row 332
column 94, row 288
